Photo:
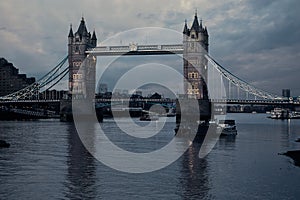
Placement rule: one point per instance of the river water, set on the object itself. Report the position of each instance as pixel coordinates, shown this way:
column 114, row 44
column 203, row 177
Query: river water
column 47, row 160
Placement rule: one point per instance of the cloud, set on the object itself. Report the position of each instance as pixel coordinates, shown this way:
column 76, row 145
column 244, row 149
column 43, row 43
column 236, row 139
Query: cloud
column 256, row 40
column 260, row 41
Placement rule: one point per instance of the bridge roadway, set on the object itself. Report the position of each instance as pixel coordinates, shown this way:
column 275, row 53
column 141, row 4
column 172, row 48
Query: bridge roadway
column 30, row 101
column 96, row 100
column 254, row 102
column 217, row 101
column 138, row 99
column 52, row 108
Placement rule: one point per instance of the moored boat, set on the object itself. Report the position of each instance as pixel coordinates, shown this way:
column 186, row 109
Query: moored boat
column 171, row 113
column 281, row 113
column 294, row 115
column 227, row 127
column 148, row 118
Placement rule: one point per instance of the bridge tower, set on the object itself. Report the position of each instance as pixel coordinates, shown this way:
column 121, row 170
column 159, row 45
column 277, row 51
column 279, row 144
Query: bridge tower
column 195, row 47
column 77, row 46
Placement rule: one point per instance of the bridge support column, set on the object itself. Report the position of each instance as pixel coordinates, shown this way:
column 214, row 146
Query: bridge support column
column 191, row 114
column 195, row 69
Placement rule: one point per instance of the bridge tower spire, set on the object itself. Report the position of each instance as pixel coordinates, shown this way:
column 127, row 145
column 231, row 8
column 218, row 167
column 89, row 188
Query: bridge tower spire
column 77, row 47
column 195, row 47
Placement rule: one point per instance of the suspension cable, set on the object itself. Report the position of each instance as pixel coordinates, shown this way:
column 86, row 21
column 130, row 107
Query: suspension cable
column 239, row 82
column 66, row 72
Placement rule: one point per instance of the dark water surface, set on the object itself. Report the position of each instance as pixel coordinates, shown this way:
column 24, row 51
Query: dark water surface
column 47, row 160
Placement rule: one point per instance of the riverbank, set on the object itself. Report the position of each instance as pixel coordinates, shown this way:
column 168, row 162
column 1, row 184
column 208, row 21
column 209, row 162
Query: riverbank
column 295, row 155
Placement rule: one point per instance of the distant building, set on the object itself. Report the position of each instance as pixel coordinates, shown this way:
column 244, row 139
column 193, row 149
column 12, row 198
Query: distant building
column 103, row 88
column 125, row 92
column 106, row 95
column 155, row 96
column 117, row 92
column 10, row 79
column 286, row 93
column 139, row 93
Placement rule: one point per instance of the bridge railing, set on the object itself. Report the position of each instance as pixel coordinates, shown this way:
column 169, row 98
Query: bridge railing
column 130, row 100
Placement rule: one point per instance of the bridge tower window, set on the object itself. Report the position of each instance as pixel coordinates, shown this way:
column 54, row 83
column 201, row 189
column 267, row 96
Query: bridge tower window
column 77, row 76
column 76, row 49
column 193, row 75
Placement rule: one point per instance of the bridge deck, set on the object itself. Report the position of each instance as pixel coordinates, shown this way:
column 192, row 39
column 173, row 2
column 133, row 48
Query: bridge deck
column 217, row 101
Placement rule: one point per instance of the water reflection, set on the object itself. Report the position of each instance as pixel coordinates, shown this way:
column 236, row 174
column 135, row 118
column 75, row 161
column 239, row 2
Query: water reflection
column 285, row 132
column 47, row 161
column 81, row 177
column 194, row 178
column 228, row 142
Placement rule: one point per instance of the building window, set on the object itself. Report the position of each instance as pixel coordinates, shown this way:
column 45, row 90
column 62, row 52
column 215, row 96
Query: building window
column 76, row 64
column 196, row 75
column 76, row 49
column 77, row 76
column 193, row 75
column 192, row 45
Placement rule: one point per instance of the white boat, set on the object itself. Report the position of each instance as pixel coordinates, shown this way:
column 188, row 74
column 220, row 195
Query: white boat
column 149, row 118
column 171, row 113
column 294, row 115
column 280, row 113
column 227, row 127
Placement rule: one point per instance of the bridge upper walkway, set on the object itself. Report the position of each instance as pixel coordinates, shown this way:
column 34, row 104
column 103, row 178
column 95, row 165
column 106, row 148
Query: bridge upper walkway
column 135, row 49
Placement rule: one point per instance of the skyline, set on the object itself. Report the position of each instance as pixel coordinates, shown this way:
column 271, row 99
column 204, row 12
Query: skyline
column 249, row 38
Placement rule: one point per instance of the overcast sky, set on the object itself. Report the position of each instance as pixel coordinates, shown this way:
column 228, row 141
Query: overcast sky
column 257, row 40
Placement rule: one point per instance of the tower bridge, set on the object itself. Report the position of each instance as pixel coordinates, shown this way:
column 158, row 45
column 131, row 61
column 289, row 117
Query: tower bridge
column 197, row 64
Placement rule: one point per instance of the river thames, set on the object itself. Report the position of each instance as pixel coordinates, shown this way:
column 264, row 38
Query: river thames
column 47, row 160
